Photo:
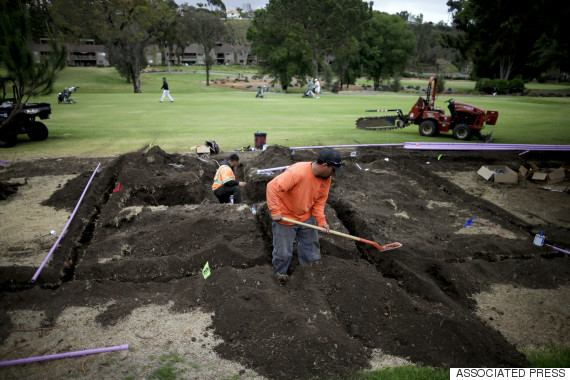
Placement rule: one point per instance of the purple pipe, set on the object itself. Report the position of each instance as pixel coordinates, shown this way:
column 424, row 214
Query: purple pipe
column 482, row 146
column 341, row 146
column 559, row 249
column 272, row 169
column 64, row 229
column 63, row 355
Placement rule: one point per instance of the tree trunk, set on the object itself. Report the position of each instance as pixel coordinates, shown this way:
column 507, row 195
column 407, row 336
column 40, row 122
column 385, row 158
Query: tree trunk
column 376, row 83
column 208, row 65
column 315, row 47
column 209, row 62
column 505, row 68
column 137, row 83
column 316, row 59
column 284, row 81
column 168, row 60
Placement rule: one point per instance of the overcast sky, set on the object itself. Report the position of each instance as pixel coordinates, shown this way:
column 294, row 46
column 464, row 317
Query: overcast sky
column 433, row 10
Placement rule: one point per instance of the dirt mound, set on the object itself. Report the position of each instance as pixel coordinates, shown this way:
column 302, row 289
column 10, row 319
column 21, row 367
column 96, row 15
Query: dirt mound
column 149, row 223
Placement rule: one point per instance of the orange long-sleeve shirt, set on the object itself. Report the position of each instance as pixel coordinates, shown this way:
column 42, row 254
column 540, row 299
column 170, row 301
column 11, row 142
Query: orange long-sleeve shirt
column 298, row 194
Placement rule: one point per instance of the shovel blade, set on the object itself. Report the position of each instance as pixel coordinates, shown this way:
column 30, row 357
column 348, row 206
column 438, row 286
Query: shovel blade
column 382, row 248
column 390, row 246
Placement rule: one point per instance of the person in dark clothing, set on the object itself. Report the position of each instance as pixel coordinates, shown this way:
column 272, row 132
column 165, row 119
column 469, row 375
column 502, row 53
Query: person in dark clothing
column 225, row 185
column 165, row 91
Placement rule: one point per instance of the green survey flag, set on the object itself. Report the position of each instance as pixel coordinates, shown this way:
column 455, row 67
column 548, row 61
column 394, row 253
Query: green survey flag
column 206, row 270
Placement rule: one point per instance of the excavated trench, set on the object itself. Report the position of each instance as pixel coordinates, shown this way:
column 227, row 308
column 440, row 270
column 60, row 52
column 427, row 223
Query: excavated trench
column 150, row 216
column 150, row 221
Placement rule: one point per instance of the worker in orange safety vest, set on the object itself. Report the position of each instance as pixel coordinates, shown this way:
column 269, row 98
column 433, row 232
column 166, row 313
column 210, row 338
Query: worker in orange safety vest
column 225, row 185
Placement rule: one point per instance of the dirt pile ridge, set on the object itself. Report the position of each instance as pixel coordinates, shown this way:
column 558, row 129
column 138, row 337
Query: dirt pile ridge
column 149, row 223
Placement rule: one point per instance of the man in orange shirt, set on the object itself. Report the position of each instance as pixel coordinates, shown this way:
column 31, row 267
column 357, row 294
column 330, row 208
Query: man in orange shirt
column 225, row 185
column 300, row 193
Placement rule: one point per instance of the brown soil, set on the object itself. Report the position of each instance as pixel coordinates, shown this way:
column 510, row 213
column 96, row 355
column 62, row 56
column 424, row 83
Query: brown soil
column 129, row 268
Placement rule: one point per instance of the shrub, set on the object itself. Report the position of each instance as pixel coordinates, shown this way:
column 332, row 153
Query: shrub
column 491, row 86
column 501, row 86
column 440, row 84
column 516, row 85
column 395, row 84
column 484, row 85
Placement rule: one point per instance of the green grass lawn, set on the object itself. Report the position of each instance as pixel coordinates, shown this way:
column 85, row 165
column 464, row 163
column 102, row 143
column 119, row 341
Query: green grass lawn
column 109, row 118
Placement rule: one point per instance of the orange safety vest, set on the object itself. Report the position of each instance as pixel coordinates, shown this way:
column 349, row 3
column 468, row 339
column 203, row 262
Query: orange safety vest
column 297, row 194
column 223, row 175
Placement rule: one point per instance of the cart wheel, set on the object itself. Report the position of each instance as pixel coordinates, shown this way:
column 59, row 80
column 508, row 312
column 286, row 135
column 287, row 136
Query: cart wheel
column 37, row 131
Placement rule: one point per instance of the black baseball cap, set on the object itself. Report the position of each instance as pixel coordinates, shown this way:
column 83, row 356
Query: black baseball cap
column 332, row 158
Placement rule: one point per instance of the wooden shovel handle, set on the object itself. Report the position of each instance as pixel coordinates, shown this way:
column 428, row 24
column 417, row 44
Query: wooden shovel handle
column 322, row 229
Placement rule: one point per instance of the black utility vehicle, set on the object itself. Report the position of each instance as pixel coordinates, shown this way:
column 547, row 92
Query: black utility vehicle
column 24, row 122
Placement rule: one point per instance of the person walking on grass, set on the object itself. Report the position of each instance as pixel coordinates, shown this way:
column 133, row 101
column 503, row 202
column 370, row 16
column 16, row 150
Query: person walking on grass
column 300, row 193
column 165, row 91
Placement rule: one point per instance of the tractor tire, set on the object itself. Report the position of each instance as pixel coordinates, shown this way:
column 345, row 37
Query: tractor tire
column 37, row 131
column 428, row 128
column 462, row 132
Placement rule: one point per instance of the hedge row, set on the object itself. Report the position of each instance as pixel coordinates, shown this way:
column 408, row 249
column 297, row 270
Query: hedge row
column 500, row 86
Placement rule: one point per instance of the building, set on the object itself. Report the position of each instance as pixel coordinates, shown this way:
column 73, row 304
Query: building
column 232, row 14
column 222, row 54
column 86, row 53
column 89, row 54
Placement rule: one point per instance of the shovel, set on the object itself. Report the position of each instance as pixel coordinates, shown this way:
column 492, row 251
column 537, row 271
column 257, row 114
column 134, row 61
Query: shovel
column 379, row 247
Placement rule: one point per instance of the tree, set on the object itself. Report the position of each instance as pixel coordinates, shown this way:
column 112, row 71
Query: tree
column 310, row 29
column 29, row 76
column 283, row 57
column 125, row 27
column 346, row 63
column 237, row 35
column 325, row 24
column 385, row 47
column 490, row 36
column 425, row 36
column 168, row 32
column 206, row 29
column 505, row 40
column 246, row 12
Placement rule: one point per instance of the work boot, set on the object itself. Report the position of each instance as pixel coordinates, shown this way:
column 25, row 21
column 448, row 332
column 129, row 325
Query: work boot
column 282, row 278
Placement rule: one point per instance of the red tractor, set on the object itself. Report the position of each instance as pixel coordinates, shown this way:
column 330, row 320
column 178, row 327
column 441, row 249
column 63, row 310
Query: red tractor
column 465, row 120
